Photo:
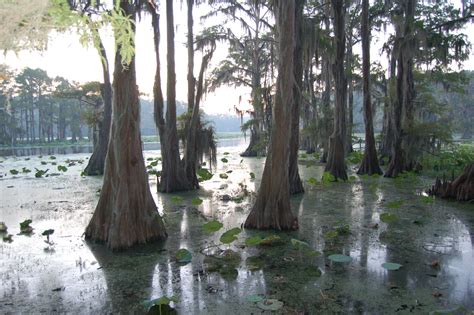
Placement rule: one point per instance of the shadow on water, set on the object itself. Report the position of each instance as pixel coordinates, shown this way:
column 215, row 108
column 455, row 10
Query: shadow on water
column 128, row 275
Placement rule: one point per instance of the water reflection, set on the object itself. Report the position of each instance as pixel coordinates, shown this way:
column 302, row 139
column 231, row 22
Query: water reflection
column 443, row 232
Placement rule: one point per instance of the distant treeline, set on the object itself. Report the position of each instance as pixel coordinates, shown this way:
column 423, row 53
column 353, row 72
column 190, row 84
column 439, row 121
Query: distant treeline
column 35, row 108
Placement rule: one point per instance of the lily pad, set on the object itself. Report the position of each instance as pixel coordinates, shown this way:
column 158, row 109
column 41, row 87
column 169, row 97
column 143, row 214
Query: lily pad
column 271, row 240
column 177, row 199
column 212, row 226
column 196, row 201
column 183, row 256
column 254, row 263
column 254, row 298
column 270, row 305
column 298, row 244
column 224, row 160
column 253, row 240
column 391, row 266
column 312, row 253
column 25, row 227
column 62, row 168
column 312, row 271
column 230, row 236
column 3, row 227
column 331, row 234
column 204, row 174
column 48, row 232
column 388, row 217
column 395, row 204
column 228, row 273
column 339, row 258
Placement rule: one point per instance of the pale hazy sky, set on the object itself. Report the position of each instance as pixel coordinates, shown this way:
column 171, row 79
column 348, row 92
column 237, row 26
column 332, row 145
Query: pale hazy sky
column 67, row 58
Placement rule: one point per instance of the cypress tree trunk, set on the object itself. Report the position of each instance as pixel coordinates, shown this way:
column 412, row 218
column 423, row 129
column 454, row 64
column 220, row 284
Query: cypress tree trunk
column 256, row 146
column 327, row 122
column 388, row 134
column 370, row 164
column 126, row 213
column 350, row 93
column 336, row 164
column 402, row 153
column 97, row 161
column 296, row 186
column 173, row 177
column 191, row 150
column 272, row 208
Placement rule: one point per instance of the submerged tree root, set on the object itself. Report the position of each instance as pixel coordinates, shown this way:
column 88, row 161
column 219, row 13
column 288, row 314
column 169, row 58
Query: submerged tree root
column 461, row 188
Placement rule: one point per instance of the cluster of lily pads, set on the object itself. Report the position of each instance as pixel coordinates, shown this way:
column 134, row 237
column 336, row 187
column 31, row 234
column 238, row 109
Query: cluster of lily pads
column 46, row 172
column 25, row 229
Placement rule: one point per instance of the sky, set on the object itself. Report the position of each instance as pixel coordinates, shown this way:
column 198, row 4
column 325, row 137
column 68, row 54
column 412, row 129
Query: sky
column 67, row 58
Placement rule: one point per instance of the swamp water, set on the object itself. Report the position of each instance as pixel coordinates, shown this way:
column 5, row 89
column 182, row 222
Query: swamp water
column 432, row 240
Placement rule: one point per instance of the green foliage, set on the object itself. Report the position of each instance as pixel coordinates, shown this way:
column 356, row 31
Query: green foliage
column 14, row 172
column 355, row 157
column 451, row 161
column 230, row 235
column 328, row 178
column 313, row 181
column 223, row 176
column 224, row 160
column 212, row 226
column 252, row 175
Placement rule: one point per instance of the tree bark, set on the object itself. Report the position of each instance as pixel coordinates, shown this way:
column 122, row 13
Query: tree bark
column 126, row 213
column 272, row 208
column 336, row 164
column 97, row 161
column 370, row 164
column 296, row 186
